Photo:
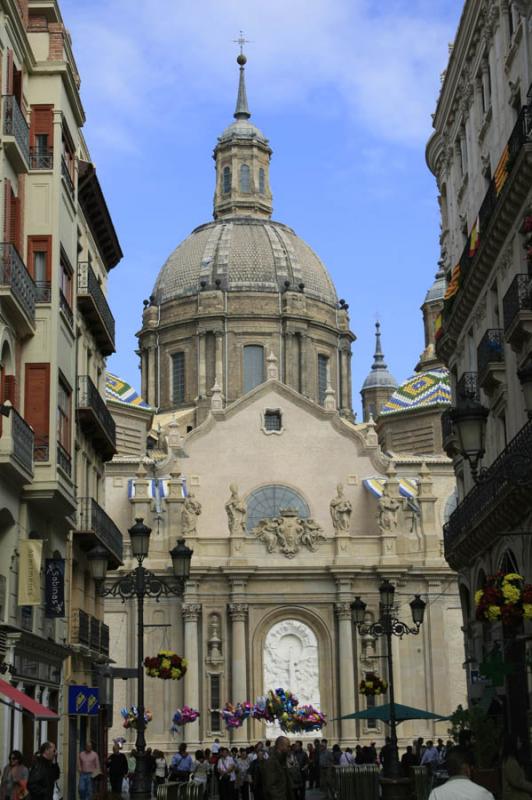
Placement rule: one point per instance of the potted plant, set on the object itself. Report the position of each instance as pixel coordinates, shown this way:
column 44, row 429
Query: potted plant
column 483, row 732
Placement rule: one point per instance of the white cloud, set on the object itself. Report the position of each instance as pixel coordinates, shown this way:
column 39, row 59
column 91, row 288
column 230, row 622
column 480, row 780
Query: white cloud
column 380, row 67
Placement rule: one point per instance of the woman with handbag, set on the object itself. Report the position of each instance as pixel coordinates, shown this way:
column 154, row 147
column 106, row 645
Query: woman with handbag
column 14, row 783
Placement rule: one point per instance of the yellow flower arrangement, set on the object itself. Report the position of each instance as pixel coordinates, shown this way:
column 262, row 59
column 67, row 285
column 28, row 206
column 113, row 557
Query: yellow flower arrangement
column 527, row 610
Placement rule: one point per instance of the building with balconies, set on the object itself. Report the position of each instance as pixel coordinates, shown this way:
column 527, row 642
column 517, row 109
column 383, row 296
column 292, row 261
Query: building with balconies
column 481, row 155
column 56, row 329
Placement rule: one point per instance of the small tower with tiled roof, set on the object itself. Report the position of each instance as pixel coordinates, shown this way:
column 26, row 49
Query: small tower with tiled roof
column 379, row 384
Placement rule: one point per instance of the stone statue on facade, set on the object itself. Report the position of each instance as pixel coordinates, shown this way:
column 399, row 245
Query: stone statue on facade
column 387, row 513
column 341, row 509
column 288, row 533
column 235, row 509
column 189, row 515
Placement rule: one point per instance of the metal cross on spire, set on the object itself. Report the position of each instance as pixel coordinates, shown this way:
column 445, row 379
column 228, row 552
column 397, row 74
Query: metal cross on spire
column 241, row 41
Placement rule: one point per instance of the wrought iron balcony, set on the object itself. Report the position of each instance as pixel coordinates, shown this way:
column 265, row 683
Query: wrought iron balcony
column 467, row 389
column 16, row 134
column 94, row 418
column 497, row 503
column 67, row 177
column 43, row 292
column 96, row 527
column 94, row 307
column 41, row 159
column 64, row 459
column 64, row 305
column 517, row 309
column 89, row 632
column 447, row 433
column 490, row 359
column 18, row 289
column 16, row 447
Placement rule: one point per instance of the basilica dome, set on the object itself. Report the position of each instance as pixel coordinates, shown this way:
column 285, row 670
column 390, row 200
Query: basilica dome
column 243, row 254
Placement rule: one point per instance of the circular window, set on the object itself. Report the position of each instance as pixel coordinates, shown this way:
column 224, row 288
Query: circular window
column 268, row 502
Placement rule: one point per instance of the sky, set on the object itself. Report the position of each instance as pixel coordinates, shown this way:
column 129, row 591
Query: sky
column 343, row 89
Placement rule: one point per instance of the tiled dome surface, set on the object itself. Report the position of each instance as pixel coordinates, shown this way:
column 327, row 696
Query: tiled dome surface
column 243, row 254
column 425, row 389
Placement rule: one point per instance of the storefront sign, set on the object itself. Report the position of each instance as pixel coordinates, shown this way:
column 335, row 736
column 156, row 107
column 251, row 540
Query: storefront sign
column 83, row 700
column 29, row 574
column 54, row 587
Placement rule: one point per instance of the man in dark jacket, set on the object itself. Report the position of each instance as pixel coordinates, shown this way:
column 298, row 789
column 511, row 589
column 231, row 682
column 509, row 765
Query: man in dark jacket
column 44, row 773
column 275, row 778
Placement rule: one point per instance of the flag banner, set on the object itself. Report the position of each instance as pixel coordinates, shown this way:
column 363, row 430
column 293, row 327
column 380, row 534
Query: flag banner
column 454, row 284
column 29, row 573
column 474, row 239
column 501, row 173
column 54, row 587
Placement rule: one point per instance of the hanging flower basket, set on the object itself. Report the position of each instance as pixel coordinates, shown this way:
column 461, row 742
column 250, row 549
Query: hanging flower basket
column 131, row 717
column 183, row 716
column 504, row 597
column 372, row 685
column 166, row 665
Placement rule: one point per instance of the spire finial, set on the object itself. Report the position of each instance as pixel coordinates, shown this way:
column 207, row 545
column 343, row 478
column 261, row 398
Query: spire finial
column 378, row 358
column 242, row 108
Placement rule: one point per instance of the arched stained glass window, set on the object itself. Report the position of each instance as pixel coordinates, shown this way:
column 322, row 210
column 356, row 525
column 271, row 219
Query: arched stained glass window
column 262, row 181
column 245, row 178
column 226, row 180
column 268, row 502
column 253, row 366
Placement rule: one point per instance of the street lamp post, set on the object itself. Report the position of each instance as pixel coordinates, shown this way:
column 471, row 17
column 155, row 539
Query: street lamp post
column 388, row 625
column 141, row 583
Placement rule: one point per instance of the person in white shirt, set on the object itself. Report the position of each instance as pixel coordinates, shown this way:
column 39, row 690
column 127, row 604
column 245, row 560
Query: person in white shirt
column 227, row 774
column 431, row 757
column 347, row 757
column 460, row 786
column 215, row 749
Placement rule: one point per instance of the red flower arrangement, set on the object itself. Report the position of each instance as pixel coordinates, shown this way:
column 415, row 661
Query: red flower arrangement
column 166, row 665
column 504, row 597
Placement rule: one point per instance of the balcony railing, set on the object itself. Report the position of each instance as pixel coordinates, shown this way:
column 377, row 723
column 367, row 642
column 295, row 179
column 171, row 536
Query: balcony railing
column 43, row 292
column 467, row 390
column 64, row 305
column 41, row 448
column 490, row 356
column 16, row 445
column 93, row 523
column 94, row 306
column 15, row 125
column 64, row 459
column 14, row 274
column 67, row 177
column 497, row 503
column 89, row 631
column 94, row 417
column 518, row 298
column 41, row 159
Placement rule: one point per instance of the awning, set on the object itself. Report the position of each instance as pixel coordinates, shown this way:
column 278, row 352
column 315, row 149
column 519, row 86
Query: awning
column 26, row 703
column 407, row 486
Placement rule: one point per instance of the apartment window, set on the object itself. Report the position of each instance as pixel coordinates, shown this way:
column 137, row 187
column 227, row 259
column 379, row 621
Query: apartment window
column 178, row 378
column 37, row 406
column 226, row 180
column 39, row 265
column 41, row 137
column 64, row 396
column 262, row 181
column 245, row 178
column 253, row 366
column 12, row 217
column 273, row 420
column 323, row 377
column 215, row 702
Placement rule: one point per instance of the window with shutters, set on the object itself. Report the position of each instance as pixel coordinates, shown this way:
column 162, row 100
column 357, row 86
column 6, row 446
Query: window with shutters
column 64, row 402
column 178, row 378
column 226, row 180
column 253, row 367
column 39, row 265
column 245, row 178
column 41, row 137
column 323, row 377
column 12, row 217
column 37, row 406
column 262, row 181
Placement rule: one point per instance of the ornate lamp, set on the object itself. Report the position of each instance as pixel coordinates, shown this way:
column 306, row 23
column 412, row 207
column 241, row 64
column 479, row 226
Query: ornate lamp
column 181, row 557
column 98, row 558
column 470, row 424
column 417, row 606
column 139, row 535
column 358, row 610
column 387, row 593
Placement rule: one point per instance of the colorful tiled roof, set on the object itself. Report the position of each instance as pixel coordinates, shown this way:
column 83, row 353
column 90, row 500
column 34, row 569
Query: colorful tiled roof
column 120, row 391
column 422, row 390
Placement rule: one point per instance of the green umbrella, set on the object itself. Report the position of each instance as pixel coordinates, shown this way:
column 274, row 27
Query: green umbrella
column 402, row 713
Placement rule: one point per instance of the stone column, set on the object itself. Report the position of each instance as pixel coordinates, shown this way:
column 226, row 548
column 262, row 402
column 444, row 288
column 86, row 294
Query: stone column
column 202, row 365
column 238, row 613
column 219, row 359
column 305, row 364
column 191, row 613
column 345, row 670
column 345, row 403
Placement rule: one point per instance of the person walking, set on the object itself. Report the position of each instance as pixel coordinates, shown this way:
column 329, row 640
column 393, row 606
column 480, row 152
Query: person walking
column 181, row 765
column 274, row 772
column 303, row 761
column 460, row 786
column 296, row 776
column 161, row 768
column 89, row 768
column 347, row 758
column 117, row 769
column 44, row 773
column 430, row 758
column 326, row 765
column 200, row 771
column 14, row 782
column 254, row 772
column 227, row 775
column 242, row 764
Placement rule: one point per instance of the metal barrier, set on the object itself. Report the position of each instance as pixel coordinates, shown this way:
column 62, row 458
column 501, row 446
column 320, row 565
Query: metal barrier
column 422, row 779
column 357, row 781
column 180, row 791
